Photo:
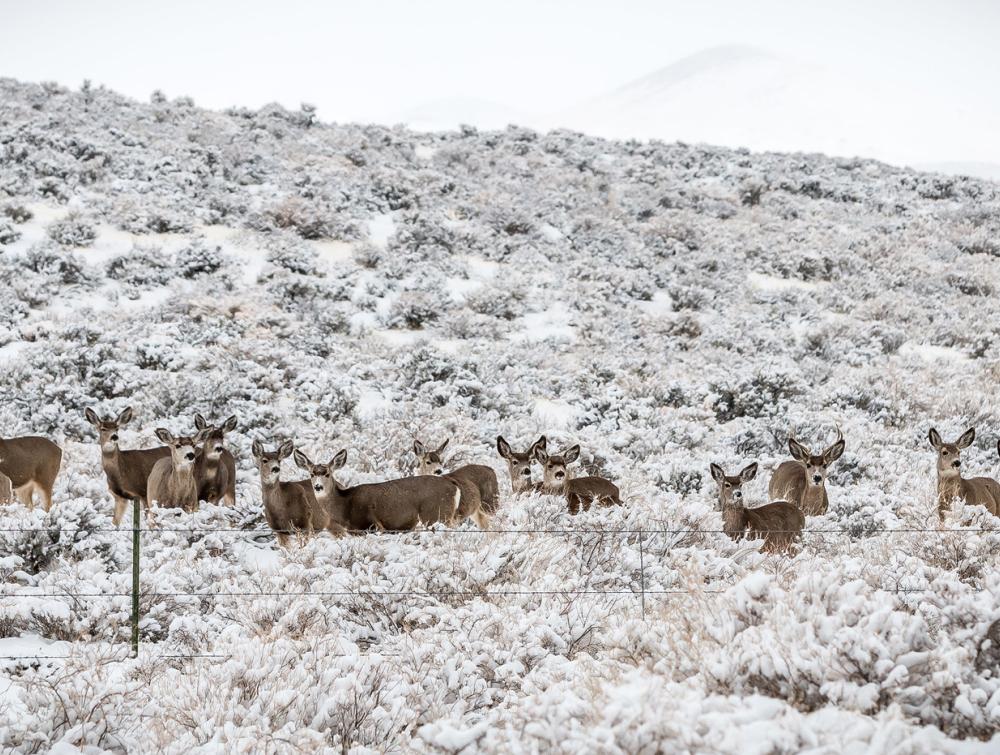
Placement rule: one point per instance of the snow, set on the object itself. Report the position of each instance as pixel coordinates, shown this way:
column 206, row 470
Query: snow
column 635, row 299
column 381, row 228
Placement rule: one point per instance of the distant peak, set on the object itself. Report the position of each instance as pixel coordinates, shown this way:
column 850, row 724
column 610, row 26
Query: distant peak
column 701, row 61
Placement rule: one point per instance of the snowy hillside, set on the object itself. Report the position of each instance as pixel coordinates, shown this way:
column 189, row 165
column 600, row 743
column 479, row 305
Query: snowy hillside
column 665, row 306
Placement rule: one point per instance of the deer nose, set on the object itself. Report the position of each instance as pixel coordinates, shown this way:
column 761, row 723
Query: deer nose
column 438, row 471
column 737, row 495
column 318, row 488
column 526, row 472
column 218, row 449
column 189, row 456
column 817, row 479
column 115, row 438
column 275, row 470
column 956, row 463
column 560, row 475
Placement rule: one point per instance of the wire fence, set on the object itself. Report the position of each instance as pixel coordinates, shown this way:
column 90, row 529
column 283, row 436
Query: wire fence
column 639, row 591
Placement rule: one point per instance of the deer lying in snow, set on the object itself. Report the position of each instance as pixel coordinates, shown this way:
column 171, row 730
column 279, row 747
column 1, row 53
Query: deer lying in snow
column 127, row 471
column 172, row 483
column 399, row 504
column 215, row 467
column 778, row 523
column 31, row 465
column 289, row 507
column 803, row 481
column 478, row 483
column 975, row 491
column 519, row 465
column 579, row 492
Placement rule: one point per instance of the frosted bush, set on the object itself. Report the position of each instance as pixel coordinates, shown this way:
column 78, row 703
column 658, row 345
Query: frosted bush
column 72, row 230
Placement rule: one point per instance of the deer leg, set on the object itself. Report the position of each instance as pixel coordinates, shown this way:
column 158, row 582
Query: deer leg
column 229, row 499
column 120, row 506
column 482, row 519
column 573, row 504
column 282, row 539
column 46, row 494
column 24, row 495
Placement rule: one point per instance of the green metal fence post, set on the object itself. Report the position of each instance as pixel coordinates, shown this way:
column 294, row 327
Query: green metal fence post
column 135, row 577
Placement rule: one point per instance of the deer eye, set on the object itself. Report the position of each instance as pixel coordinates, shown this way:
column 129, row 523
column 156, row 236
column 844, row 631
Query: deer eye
column 728, row 485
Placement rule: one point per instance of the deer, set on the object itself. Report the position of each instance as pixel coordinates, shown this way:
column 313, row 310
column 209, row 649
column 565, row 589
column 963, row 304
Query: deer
column 803, row 481
column 519, row 465
column 396, row 505
column 975, row 491
column 778, row 523
column 127, row 471
column 289, row 507
column 215, row 467
column 480, row 495
column 579, row 492
column 31, row 464
column 172, row 482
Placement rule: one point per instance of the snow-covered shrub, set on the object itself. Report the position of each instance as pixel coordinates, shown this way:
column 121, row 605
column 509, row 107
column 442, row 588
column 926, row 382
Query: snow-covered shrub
column 143, row 266
column 294, row 256
column 198, row 258
column 8, row 233
column 72, row 230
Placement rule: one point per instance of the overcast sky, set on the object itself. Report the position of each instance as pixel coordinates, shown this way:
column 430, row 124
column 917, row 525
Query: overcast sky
column 373, row 61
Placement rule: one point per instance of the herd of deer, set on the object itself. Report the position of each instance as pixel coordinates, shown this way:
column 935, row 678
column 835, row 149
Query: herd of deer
column 188, row 469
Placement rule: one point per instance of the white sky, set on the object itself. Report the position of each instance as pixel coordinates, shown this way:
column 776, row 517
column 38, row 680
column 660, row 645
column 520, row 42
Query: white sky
column 373, row 61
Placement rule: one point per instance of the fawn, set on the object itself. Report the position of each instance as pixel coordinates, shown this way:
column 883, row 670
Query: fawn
column 519, row 465
column 399, row 504
column 478, row 483
column 288, row 506
column 127, row 471
column 31, row 465
column 975, row 491
column 579, row 492
column 172, row 482
column 215, row 467
column 803, row 481
column 779, row 523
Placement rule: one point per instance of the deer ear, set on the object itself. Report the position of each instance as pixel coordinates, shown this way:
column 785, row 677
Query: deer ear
column 199, row 422
column 503, row 447
column 418, row 447
column 834, row 452
column 717, row 473
column 934, row 437
column 163, row 434
column 257, row 449
column 966, row 438
column 444, row 445
column 571, row 454
column 229, row 425
column 339, row 460
column 301, row 459
column 542, row 442
column 748, row 472
column 202, row 434
column 539, row 454
column 92, row 417
column 797, row 450
column 125, row 416
column 285, row 449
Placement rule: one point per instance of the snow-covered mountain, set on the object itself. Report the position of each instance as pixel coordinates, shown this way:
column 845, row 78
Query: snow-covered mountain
column 746, row 97
column 666, row 306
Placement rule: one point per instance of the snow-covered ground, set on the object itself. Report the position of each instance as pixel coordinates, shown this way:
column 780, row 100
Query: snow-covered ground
column 663, row 305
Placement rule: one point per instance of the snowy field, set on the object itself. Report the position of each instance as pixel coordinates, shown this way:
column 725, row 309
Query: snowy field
column 664, row 305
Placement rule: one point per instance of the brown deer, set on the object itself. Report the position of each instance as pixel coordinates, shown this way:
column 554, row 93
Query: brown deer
column 215, row 467
column 581, row 491
column 289, row 507
column 31, row 464
column 803, row 481
column 779, row 523
column 323, row 484
column 480, row 495
column 975, row 491
column 127, row 471
column 172, row 483
column 519, row 465
column 396, row 505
